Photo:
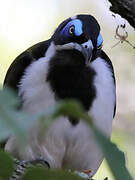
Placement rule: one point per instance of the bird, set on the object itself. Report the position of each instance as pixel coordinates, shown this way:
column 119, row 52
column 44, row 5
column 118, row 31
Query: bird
column 69, row 65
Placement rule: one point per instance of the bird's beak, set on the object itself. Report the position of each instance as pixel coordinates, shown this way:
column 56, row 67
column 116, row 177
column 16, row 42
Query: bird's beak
column 87, row 49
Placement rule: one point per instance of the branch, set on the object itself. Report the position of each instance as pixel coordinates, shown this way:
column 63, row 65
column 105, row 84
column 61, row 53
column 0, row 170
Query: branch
column 125, row 8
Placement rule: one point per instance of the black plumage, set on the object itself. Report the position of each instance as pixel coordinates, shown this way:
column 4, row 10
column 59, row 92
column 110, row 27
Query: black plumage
column 70, row 78
column 17, row 68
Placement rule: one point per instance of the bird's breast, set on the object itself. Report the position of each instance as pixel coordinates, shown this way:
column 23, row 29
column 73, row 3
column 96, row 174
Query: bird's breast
column 102, row 109
column 46, row 81
column 41, row 86
column 73, row 82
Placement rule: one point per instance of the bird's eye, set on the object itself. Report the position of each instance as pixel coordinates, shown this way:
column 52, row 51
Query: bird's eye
column 72, row 29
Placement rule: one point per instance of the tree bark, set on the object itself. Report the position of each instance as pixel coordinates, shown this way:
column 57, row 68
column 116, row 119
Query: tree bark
column 125, row 8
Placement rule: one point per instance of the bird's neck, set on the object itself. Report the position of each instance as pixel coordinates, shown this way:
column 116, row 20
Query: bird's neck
column 69, row 78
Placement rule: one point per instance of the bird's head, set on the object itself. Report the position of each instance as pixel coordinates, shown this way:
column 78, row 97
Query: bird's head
column 81, row 33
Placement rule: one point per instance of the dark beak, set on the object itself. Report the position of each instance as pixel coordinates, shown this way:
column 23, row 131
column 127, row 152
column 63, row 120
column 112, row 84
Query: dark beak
column 86, row 49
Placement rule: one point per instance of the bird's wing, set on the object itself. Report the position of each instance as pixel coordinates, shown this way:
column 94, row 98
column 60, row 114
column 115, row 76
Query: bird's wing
column 19, row 65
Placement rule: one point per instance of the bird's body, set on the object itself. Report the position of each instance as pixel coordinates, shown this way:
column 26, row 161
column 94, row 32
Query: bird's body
column 49, row 72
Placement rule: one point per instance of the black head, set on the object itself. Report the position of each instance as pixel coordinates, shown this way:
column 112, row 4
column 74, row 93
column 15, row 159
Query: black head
column 81, row 32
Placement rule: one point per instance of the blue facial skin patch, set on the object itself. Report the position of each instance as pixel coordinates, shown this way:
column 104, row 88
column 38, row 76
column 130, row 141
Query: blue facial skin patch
column 77, row 25
column 99, row 40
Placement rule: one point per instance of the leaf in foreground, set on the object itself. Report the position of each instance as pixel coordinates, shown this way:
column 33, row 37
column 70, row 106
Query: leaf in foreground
column 115, row 158
column 13, row 121
column 6, row 166
column 43, row 174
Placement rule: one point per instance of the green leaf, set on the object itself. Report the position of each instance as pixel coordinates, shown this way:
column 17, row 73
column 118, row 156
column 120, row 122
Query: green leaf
column 13, row 121
column 6, row 166
column 71, row 108
column 8, row 114
column 43, row 174
column 8, row 98
column 115, row 158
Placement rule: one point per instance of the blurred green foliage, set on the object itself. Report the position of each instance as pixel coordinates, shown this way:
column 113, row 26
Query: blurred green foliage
column 6, row 166
column 41, row 174
column 11, row 120
column 10, row 124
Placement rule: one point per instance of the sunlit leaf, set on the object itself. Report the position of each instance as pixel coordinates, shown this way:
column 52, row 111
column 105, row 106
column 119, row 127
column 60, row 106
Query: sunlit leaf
column 115, row 158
